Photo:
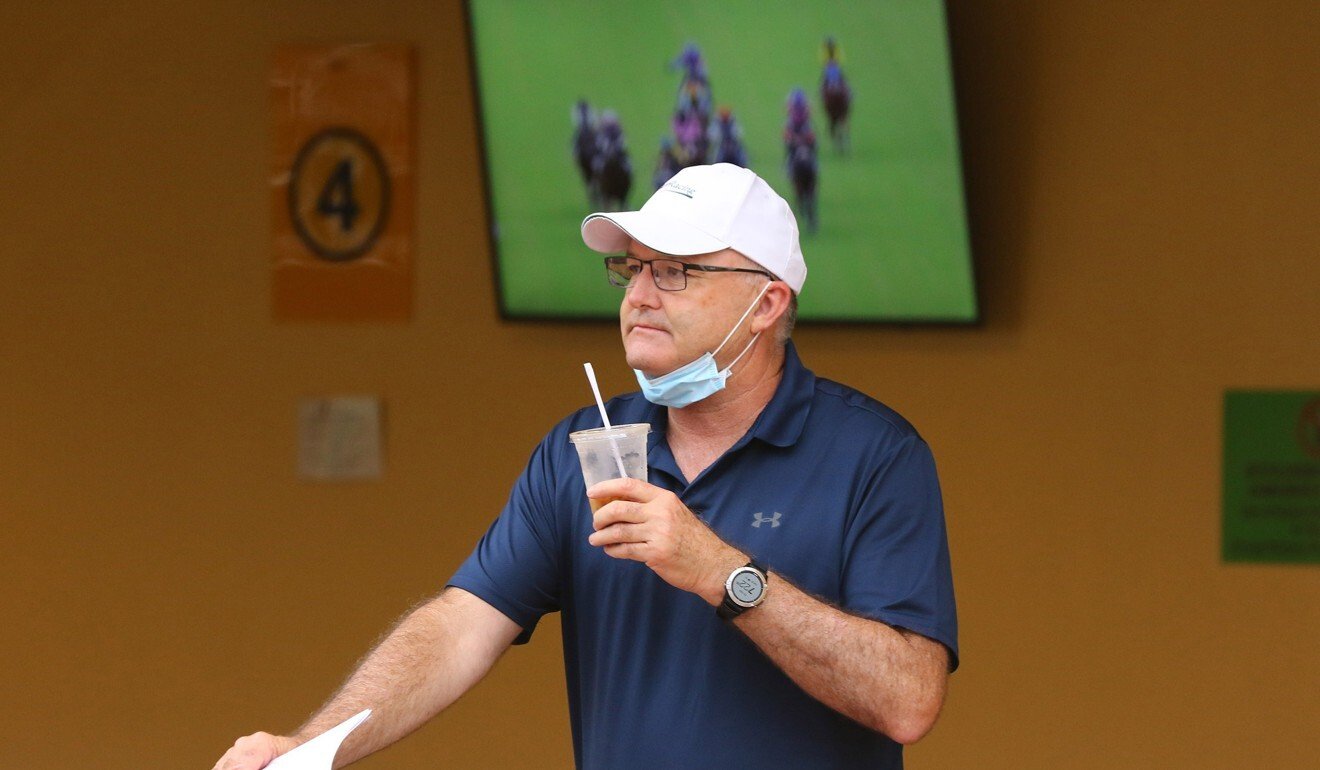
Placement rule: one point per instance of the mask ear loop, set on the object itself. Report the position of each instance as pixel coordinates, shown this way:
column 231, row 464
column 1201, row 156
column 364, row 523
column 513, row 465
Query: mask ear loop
column 728, row 336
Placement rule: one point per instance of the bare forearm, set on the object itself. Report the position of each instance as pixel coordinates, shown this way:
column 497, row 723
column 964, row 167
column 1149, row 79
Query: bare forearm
column 422, row 666
column 889, row 680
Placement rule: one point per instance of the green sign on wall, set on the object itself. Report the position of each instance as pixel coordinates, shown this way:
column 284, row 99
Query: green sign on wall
column 1272, row 476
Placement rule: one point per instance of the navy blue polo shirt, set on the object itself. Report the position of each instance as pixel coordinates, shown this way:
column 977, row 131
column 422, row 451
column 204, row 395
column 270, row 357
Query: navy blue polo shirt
column 829, row 488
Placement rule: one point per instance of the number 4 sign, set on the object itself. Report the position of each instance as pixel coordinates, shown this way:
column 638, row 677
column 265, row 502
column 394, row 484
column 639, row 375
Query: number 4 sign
column 342, row 197
column 339, row 194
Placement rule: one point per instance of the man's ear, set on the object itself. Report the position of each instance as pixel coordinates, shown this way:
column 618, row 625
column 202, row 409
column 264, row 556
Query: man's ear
column 773, row 305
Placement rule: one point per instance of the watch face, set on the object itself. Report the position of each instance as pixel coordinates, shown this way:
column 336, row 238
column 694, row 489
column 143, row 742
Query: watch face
column 746, row 587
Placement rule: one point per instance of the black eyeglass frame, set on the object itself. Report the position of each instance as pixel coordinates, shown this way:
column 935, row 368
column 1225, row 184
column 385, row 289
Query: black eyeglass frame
column 687, row 267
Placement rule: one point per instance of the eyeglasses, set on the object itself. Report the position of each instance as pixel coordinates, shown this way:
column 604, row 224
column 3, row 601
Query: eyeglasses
column 669, row 274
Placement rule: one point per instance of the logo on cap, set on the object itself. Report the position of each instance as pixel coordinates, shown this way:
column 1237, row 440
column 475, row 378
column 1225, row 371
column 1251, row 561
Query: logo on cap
column 681, row 189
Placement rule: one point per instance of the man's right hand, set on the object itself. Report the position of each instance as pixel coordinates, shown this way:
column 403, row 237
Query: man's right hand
column 255, row 751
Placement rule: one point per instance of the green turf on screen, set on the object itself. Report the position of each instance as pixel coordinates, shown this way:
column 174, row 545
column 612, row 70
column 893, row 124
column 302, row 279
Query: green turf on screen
column 892, row 241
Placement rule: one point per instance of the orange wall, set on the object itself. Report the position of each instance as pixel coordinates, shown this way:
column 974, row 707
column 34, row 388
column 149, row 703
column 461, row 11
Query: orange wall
column 1142, row 181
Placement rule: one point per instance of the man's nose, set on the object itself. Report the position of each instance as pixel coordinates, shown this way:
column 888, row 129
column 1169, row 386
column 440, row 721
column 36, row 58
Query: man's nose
column 643, row 292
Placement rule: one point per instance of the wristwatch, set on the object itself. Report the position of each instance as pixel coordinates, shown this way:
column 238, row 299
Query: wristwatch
column 743, row 590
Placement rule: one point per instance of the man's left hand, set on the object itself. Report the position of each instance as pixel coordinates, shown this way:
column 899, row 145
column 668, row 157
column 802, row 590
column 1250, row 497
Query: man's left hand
column 648, row 524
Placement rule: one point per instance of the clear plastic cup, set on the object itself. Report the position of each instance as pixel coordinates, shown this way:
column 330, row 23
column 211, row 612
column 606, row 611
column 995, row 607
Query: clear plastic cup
column 603, row 450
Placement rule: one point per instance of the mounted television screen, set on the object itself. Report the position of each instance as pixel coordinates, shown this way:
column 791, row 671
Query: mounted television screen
column 845, row 108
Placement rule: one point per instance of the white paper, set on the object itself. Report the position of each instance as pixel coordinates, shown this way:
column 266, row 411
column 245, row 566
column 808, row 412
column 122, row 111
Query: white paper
column 319, row 752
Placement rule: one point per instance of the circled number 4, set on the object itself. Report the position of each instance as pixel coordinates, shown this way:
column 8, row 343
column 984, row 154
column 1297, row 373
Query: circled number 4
column 336, row 198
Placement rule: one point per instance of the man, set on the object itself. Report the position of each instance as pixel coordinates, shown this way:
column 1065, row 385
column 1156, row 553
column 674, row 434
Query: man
column 726, row 136
column 783, row 512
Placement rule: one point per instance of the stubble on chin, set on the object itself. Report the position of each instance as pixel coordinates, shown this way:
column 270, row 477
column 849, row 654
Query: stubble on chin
column 637, row 357
column 647, row 355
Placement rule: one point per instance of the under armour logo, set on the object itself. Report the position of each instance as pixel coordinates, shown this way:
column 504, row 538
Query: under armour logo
column 759, row 518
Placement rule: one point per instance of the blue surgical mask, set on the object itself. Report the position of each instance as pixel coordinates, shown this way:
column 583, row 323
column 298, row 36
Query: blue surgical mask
column 698, row 379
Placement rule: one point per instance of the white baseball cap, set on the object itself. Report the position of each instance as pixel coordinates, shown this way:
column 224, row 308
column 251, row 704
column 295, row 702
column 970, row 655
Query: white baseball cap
column 704, row 209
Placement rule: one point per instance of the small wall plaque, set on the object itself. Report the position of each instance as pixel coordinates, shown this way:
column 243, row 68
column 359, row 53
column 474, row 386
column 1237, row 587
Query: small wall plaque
column 1272, row 476
column 340, row 438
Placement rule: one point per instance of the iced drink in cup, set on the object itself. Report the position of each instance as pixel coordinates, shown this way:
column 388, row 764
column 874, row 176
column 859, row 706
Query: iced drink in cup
column 611, row 453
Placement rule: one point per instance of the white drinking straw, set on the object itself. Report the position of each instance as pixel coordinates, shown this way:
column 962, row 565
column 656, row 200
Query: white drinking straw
column 600, row 404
